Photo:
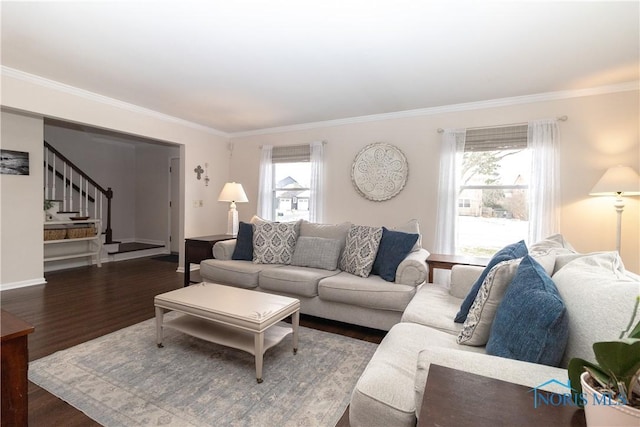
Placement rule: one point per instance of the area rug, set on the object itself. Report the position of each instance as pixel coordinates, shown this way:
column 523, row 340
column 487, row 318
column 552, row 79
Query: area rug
column 124, row 379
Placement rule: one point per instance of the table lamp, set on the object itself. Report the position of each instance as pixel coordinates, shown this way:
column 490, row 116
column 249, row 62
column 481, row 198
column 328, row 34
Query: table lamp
column 234, row 193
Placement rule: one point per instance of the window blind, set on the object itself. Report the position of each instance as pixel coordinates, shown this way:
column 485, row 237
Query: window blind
column 513, row 137
column 291, row 153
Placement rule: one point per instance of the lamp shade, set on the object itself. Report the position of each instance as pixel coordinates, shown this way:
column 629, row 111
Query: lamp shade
column 622, row 180
column 232, row 192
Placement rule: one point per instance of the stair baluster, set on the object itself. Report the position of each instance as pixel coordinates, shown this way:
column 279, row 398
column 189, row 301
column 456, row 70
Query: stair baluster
column 81, row 186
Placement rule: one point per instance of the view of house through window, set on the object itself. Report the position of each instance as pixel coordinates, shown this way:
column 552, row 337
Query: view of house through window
column 493, row 197
column 291, row 188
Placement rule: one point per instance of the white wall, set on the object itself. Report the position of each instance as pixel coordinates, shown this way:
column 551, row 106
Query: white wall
column 21, row 210
column 152, row 192
column 30, row 95
column 602, row 131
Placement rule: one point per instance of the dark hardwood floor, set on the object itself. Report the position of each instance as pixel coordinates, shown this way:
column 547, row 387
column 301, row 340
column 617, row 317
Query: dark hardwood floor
column 80, row 304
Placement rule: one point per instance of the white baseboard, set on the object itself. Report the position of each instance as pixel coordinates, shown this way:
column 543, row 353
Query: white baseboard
column 22, row 284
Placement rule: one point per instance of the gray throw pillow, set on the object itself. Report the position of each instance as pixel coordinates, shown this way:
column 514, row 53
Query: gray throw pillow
column 316, row 252
column 274, row 242
column 360, row 250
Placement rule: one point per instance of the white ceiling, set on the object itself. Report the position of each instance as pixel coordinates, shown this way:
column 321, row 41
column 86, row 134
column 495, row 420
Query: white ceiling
column 243, row 65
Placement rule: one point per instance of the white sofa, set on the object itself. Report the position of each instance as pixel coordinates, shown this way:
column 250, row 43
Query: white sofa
column 332, row 294
column 600, row 299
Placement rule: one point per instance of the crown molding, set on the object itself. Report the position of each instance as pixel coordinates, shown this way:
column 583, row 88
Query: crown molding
column 492, row 103
column 101, row 99
column 478, row 105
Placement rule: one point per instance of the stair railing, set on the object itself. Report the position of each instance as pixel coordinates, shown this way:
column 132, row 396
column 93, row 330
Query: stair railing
column 66, row 182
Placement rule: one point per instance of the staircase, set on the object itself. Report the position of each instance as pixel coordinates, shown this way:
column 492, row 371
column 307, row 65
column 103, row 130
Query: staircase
column 77, row 193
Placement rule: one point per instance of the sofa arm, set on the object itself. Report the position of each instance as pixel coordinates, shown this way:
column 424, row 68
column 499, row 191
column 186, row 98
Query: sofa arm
column 510, row 370
column 224, row 250
column 413, row 269
column 462, row 279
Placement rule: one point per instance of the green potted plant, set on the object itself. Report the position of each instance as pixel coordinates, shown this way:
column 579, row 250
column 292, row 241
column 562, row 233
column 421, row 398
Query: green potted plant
column 611, row 388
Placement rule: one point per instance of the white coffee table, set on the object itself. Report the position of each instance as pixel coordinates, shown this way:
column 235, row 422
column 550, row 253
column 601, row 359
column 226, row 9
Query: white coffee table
column 233, row 317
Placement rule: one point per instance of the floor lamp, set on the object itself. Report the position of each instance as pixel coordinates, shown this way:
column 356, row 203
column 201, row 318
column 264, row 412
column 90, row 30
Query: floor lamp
column 234, row 193
column 618, row 181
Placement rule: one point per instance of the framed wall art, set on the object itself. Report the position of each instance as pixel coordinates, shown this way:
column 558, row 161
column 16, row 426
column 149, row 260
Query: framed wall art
column 14, row 162
column 379, row 171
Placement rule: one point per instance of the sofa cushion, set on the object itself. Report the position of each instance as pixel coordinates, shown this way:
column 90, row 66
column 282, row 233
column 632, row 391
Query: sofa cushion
column 293, row 280
column 587, row 284
column 372, row 292
column 515, row 250
column 546, row 251
column 326, row 231
column 384, row 394
column 361, row 249
column 394, row 247
column 243, row 274
column 477, row 327
column 531, row 323
column 412, row 227
column 316, row 252
column 244, row 243
column 274, row 242
column 433, row 306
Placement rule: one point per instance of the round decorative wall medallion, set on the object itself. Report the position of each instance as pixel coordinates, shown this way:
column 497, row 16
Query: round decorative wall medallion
column 379, row 171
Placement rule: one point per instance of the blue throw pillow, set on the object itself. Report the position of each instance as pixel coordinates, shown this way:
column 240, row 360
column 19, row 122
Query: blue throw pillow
column 394, row 247
column 244, row 243
column 531, row 323
column 513, row 251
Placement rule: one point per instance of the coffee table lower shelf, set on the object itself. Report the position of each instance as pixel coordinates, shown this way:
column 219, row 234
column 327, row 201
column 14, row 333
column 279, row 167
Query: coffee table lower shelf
column 226, row 335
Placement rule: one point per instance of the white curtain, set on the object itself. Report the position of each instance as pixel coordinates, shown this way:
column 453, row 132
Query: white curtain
column 316, row 205
column 544, row 187
column 265, row 186
column 452, row 150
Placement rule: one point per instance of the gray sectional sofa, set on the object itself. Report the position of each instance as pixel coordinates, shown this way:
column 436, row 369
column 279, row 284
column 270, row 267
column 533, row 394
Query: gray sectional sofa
column 599, row 296
column 328, row 293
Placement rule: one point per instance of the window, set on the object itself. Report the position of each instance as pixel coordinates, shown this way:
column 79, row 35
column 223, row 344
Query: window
column 291, row 182
column 493, row 195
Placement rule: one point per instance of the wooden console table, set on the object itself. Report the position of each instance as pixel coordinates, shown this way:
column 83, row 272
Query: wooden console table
column 15, row 362
column 447, row 261
column 458, row 398
column 197, row 249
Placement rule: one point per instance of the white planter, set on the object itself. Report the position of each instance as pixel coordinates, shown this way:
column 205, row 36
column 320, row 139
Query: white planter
column 598, row 413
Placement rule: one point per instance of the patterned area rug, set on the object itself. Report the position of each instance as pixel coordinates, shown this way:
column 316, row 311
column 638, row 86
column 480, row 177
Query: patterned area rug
column 124, row 379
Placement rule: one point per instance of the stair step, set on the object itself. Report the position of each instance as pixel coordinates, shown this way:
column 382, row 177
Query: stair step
column 134, row 246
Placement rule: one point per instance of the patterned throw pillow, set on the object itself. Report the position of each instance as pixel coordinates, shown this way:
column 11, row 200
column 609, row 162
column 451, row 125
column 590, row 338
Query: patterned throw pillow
column 477, row 327
column 360, row 250
column 515, row 250
column 274, row 242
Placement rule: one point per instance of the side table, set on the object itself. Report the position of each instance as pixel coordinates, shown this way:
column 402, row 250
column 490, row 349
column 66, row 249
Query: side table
column 458, row 398
column 197, row 249
column 447, row 261
column 15, row 362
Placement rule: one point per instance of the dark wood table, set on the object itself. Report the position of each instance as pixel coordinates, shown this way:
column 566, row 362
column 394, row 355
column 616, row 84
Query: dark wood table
column 458, row 398
column 447, row 261
column 15, row 362
column 197, row 249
